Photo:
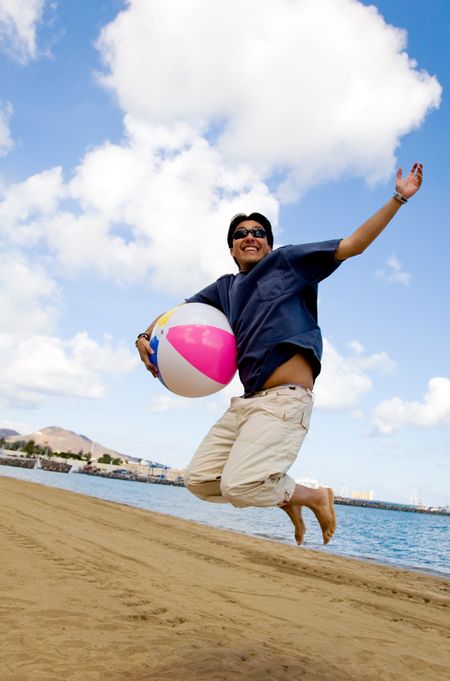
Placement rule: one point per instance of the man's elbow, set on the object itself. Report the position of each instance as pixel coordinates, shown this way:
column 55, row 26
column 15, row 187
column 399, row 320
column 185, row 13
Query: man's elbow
column 348, row 249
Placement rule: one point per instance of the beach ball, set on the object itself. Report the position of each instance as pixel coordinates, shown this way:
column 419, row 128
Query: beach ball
column 194, row 350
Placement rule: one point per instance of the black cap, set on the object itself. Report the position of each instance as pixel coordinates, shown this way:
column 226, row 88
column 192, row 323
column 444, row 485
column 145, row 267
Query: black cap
column 257, row 217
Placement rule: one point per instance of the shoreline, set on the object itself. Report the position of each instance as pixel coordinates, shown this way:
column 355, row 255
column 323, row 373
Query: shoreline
column 390, row 506
column 356, row 555
column 64, row 467
column 94, row 590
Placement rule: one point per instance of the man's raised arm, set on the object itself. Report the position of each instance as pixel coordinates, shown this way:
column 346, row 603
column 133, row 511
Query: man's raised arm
column 405, row 188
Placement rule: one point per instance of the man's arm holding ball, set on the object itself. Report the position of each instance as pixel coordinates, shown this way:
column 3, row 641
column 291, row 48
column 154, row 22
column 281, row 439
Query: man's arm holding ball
column 143, row 347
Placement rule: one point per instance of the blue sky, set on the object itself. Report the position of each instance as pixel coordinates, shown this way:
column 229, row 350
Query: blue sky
column 130, row 133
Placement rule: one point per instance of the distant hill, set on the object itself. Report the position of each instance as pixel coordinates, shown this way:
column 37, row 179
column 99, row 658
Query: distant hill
column 7, row 432
column 61, row 440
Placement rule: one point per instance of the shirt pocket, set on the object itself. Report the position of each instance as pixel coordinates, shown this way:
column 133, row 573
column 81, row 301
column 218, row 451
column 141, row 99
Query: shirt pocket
column 274, row 286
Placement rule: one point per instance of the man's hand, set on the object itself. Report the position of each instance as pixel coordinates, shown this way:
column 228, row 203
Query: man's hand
column 145, row 353
column 409, row 185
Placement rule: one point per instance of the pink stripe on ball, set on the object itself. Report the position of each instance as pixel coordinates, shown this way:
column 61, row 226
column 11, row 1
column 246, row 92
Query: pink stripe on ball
column 210, row 350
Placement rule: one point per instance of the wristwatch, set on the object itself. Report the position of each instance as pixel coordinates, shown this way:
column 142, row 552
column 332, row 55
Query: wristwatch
column 399, row 197
column 142, row 335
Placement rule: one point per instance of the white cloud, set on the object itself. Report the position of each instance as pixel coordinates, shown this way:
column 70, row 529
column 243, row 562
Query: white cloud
column 314, row 87
column 170, row 402
column 26, row 207
column 345, row 379
column 162, row 208
column 18, row 22
column 395, row 413
column 379, row 362
column 35, row 368
column 356, row 347
column 139, row 210
column 6, row 141
column 155, row 207
column 29, row 298
column 394, row 274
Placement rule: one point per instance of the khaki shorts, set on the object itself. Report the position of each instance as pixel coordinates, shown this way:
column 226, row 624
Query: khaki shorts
column 245, row 456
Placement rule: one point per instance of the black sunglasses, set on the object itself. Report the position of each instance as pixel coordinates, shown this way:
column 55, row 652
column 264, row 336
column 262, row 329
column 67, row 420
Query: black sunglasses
column 258, row 233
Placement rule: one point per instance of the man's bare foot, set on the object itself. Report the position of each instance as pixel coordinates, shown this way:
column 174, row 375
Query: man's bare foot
column 295, row 514
column 323, row 508
column 321, row 503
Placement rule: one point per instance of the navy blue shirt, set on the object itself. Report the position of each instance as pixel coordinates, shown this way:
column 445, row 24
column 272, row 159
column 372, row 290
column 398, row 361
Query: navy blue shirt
column 272, row 309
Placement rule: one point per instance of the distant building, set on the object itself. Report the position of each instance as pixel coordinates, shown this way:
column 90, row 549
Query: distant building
column 362, row 496
column 175, row 474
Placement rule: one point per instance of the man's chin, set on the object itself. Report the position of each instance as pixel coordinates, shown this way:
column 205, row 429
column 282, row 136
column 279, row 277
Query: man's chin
column 252, row 257
column 248, row 263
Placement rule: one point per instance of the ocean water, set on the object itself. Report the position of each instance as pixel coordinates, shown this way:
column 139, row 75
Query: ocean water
column 408, row 540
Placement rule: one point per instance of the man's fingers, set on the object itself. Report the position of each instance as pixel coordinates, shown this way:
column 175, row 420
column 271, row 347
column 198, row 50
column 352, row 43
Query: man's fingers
column 417, row 169
column 145, row 353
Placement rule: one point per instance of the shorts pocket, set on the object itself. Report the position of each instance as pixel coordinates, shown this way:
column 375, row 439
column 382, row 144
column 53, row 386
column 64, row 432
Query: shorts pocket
column 297, row 411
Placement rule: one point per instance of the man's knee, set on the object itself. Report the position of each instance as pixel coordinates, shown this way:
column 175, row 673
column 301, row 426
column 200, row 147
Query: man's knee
column 203, row 489
column 271, row 491
column 240, row 495
column 191, row 479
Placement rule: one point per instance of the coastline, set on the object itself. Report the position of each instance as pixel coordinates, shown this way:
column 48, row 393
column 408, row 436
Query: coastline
column 96, row 590
column 122, row 474
column 390, row 506
column 395, row 539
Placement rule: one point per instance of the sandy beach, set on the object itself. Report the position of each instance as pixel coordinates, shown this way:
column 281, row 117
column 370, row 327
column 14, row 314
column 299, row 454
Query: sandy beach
column 93, row 591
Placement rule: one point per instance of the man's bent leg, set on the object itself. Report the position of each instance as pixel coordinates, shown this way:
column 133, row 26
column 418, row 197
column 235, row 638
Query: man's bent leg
column 296, row 518
column 273, row 425
column 203, row 475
